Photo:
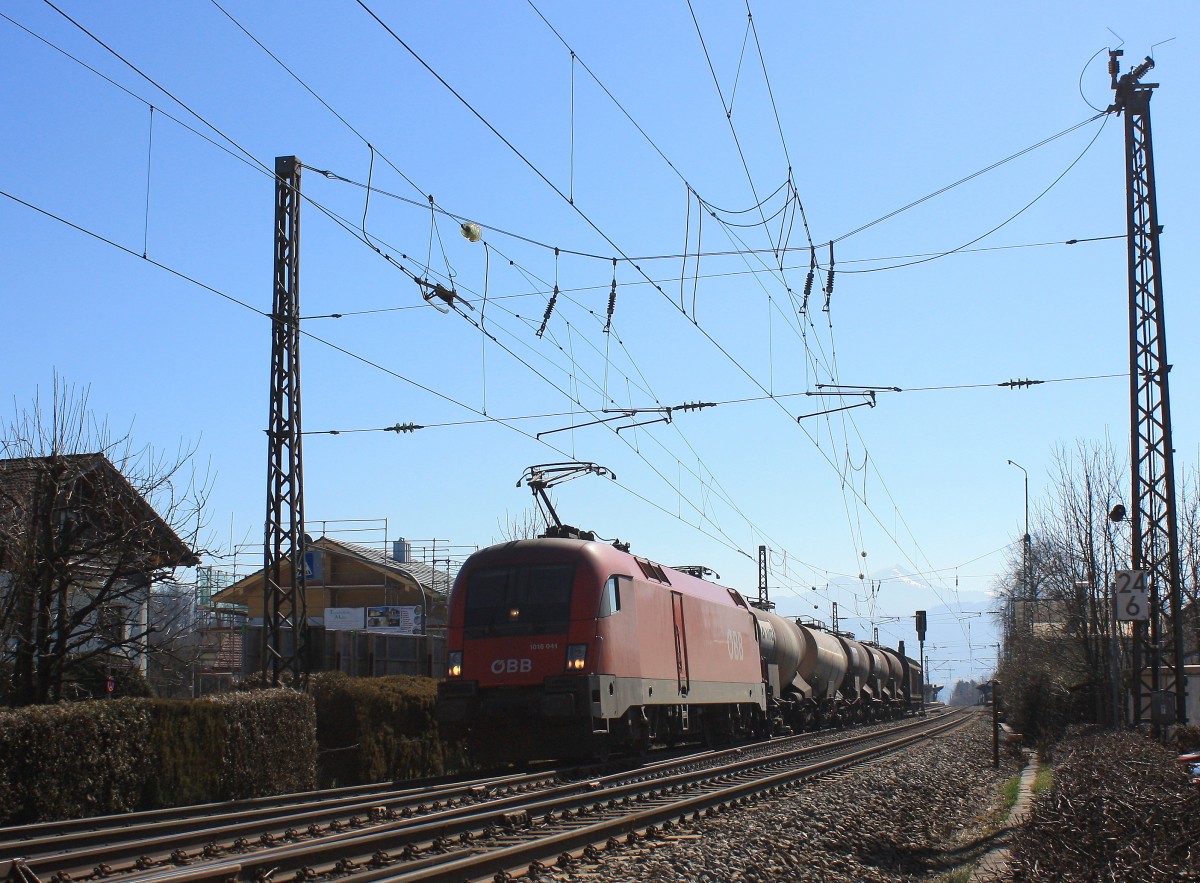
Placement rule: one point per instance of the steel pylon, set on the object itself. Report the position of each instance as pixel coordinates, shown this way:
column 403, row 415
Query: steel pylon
column 1155, row 537
column 285, row 617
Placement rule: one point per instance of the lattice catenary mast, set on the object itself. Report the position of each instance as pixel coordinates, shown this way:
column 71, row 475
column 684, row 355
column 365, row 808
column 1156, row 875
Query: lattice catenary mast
column 1155, row 540
column 285, row 617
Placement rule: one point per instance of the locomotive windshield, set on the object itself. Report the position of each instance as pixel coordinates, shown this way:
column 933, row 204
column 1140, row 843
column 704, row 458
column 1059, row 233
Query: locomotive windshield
column 521, row 599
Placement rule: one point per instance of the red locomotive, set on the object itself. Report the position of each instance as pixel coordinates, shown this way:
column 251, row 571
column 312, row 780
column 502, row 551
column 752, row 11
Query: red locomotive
column 571, row 647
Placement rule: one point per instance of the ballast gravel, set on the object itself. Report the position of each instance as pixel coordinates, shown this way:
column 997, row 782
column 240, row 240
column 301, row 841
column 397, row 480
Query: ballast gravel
column 912, row 816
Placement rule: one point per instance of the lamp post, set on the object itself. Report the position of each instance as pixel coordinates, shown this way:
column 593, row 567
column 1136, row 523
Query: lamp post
column 1025, row 546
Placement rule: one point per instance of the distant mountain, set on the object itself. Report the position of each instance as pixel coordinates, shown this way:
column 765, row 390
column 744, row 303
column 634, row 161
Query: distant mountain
column 961, row 634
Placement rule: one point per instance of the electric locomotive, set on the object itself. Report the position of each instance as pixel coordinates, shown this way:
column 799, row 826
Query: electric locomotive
column 571, row 647
column 566, row 647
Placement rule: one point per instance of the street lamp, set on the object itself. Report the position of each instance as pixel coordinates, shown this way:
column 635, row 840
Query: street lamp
column 1025, row 546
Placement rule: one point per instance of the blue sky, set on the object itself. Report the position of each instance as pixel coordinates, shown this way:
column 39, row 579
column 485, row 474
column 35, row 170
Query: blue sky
column 870, row 111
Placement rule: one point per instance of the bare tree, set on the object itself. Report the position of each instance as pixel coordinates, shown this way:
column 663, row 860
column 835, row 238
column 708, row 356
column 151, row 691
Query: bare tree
column 88, row 526
column 525, row 525
column 1066, row 657
column 174, row 644
column 1187, row 510
column 1059, row 637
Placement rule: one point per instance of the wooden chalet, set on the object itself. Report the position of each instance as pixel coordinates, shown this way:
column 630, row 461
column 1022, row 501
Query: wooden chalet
column 342, row 575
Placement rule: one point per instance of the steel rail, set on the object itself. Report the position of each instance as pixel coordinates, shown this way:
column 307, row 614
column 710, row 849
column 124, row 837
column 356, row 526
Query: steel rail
column 93, row 851
column 363, row 855
column 515, row 857
column 18, row 835
column 110, row 843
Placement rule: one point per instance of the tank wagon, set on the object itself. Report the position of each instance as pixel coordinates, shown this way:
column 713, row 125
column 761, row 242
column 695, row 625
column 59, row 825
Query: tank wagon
column 574, row 648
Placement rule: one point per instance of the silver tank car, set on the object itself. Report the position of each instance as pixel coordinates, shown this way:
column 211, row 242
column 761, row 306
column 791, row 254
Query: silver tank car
column 911, row 681
column 783, row 647
column 897, row 673
column 818, row 678
column 883, row 679
column 824, row 666
column 858, row 668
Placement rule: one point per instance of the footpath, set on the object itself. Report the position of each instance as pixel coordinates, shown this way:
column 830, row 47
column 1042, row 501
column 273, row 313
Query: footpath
column 994, row 866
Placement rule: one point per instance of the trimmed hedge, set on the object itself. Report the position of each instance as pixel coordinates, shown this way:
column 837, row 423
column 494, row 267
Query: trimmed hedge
column 74, row 760
column 270, row 743
column 183, row 744
column 376, row 729
column 95, row 758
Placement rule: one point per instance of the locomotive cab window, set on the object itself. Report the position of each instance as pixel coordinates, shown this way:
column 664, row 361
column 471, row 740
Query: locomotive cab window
column 610, row 596
column 524, row 599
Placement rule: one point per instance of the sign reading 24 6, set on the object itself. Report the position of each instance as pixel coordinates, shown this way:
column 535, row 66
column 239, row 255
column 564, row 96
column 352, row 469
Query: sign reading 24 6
column 1129, row 596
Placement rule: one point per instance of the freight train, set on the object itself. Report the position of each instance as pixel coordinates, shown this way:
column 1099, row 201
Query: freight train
column 576, row 648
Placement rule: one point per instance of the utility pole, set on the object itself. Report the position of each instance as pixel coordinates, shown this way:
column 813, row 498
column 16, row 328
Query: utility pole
column 285, row 617
column 1155, row 539
column 1026, row 558
column 995, row 724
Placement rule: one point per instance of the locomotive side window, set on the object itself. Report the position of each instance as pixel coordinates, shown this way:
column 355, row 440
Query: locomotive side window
column 526, row 599
column 610, row 596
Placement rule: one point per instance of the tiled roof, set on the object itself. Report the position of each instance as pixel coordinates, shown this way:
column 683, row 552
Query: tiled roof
column 19, row 477
column 431, row 578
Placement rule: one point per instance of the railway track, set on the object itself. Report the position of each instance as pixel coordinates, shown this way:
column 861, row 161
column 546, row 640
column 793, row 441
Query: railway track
column 451, row 831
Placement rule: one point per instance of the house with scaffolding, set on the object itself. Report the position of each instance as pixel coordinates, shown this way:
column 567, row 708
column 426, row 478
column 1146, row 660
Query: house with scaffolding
column 371, row 611
column 220, row 630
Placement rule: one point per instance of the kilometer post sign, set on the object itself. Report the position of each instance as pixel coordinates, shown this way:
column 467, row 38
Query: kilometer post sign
column 1129, row 596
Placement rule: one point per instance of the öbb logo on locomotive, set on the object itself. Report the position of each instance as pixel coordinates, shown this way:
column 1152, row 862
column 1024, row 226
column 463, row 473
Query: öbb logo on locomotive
column 512, row 666
column 733, row 643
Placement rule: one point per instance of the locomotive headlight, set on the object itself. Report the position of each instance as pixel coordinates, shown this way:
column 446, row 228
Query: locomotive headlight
column 576, row 656
column 454, row 663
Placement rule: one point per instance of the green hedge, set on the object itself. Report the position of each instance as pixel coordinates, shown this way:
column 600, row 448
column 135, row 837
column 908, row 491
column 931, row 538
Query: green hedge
column 270, row 743
column 183, row 744
column 376, row 729
column 94, row 758
column 73, row 760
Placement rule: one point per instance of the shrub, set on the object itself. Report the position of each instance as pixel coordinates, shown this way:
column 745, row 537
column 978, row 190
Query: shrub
column 188, row 747
column 1120, row 808
column 74, row 759
column 79, row 759
column 270, row 742
column 86, row 678
column 376, row 729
